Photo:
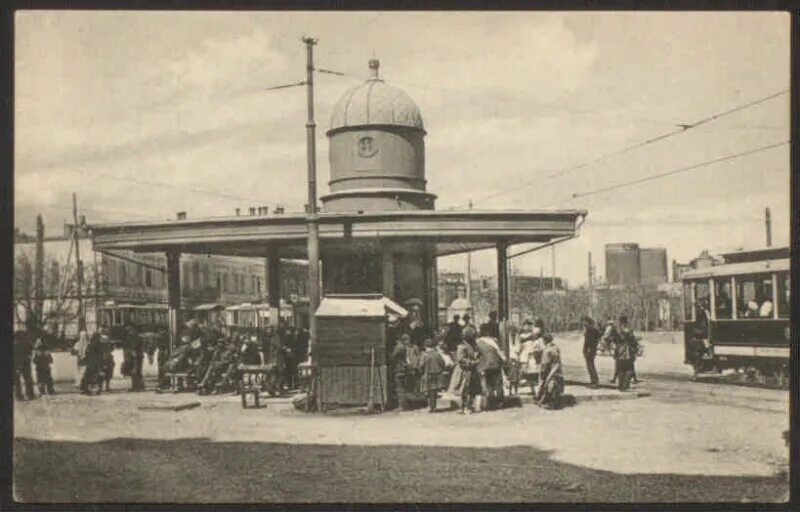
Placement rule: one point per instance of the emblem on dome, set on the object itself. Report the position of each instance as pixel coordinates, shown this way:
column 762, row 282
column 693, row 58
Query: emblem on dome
column 367, row 147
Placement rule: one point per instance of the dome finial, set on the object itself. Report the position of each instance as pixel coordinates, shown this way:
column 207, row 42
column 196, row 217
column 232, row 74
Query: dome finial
column 374, row 64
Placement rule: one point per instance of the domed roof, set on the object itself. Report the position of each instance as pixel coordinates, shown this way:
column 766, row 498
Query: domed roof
column 375, row 102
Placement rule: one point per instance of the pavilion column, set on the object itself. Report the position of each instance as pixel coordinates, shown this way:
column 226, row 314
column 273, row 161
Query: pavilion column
column 174, row 297
column 433, row 292
column 502, row 294
column 274, row 286
column 387, row 264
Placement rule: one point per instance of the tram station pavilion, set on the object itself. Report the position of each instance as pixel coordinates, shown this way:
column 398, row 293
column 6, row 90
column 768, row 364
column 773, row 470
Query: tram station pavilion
column 379, row 231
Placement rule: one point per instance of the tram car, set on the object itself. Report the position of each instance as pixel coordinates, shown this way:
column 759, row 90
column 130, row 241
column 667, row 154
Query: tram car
column 252, row 319
column 736, row 315
column 145, row 317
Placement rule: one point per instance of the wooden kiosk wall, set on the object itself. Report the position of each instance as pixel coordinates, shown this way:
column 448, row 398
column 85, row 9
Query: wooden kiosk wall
column 344, row 353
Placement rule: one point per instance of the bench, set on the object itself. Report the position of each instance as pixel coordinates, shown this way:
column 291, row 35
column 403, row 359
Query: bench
column 178, row 381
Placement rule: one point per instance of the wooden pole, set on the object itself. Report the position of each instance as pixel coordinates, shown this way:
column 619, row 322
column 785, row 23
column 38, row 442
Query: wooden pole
column 78, row 265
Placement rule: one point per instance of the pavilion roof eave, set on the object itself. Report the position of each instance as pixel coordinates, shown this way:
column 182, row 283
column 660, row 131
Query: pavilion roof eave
column 447, row 232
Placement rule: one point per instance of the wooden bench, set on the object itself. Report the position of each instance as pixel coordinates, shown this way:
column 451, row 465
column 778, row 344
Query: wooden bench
column 178, row 381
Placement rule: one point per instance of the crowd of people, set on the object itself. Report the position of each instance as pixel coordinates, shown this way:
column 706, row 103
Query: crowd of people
column 207, row 355
column 30, row 353
column 619, row 340
column 467, row 365
column 460, row 363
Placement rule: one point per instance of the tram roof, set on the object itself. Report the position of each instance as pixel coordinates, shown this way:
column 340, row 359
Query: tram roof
column 734, row 269
column 445, row 232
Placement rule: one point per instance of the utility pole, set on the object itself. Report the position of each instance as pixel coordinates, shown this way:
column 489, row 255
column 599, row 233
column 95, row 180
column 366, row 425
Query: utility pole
column 555, row 299
column 541, row 290
column 78, row 265
column 768, row 221
column 38, row 277
column 591, row 287
column 469, row 270
column 96, row 291
column 312, row 216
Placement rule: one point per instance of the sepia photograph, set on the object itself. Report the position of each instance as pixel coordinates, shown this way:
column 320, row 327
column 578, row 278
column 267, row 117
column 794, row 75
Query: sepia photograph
column 401, row 257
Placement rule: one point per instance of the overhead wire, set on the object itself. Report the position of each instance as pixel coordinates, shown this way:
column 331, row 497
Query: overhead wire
column 677, row 171
column 683, row 129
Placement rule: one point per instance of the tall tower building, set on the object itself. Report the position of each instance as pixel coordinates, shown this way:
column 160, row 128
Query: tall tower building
column 377, row 164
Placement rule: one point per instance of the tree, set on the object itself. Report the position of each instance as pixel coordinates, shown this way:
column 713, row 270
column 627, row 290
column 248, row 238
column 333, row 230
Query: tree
column 43, row 309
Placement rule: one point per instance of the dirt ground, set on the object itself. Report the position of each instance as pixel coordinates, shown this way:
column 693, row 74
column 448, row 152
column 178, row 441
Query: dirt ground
column 686, row 442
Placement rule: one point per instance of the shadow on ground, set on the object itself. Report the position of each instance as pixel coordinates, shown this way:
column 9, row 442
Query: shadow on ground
column 200, row 470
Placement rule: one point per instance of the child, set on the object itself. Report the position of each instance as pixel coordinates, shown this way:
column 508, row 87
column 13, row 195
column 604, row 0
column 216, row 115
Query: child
column 441, row 348
column 42, row 359
column 512, row 374
column 432, row 366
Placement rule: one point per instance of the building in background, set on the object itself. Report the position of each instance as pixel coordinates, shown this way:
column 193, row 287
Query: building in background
column 622, row 264
column 653, row 266
column 524, row 291
column 629, row 265
column 451, row 286
column 132, row 281
column 703, row 260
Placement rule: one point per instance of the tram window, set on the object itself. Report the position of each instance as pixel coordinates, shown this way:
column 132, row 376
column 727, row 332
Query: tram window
column 702, row 301
column 687, row 301
column 754, row 296
column 722, row 299
column 784, row 295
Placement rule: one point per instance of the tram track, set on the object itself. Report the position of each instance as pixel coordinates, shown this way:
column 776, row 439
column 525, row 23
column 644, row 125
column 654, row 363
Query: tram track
column 712, row 390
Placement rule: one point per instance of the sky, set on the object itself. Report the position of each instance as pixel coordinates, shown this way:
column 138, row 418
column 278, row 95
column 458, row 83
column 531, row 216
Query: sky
column 144, row 114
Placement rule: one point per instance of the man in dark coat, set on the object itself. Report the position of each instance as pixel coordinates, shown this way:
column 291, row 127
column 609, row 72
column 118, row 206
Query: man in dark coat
column 625, row 353
column 591, row 336
column 453, row 335
column 290, row 357
column 23, row 351
column 134, row 353
column 162, row 357
column 492, row 328
column 93, row 359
